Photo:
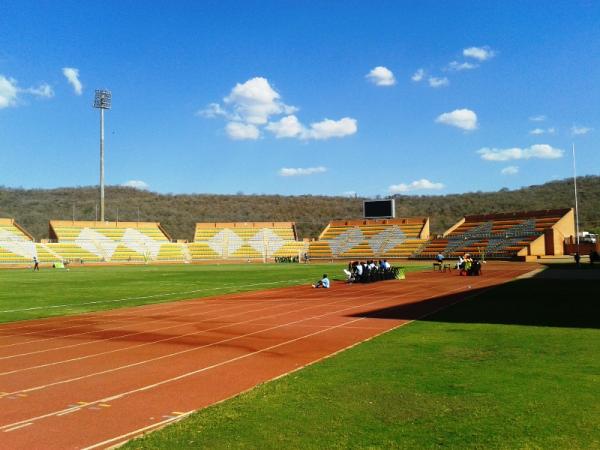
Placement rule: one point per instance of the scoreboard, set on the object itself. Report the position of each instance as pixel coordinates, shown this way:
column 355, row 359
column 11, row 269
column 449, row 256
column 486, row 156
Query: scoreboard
column 379, row 209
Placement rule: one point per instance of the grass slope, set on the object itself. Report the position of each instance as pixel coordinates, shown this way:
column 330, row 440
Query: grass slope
column 33, row 208
column 52, row 292
column 517, row 367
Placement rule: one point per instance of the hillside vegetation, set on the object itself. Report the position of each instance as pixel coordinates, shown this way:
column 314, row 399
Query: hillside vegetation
column 33, row 208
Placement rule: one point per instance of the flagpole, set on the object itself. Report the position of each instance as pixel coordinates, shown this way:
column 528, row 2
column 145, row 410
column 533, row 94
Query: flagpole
column 576, row 206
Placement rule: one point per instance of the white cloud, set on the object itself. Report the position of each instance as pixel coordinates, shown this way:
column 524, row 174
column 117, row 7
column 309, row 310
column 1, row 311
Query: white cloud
column 331, row 128
column 8, row 92
column 455, row 66
column 290, row 127
column 289, row 172
column 479, row 53
column 72, row 75
column 537, row 151
column 287, row 127
column 44, row 90
column 418, row 185
column 418, row 75
column 136, row 184
column 539, row 118
column 242, row 131
column 435, row 82
column 460, row 118
column 510, row 170
column 250, row 105
column 579, row 130
column 255, row 101
column 381, row 76
column 538, row 131
column 213, row 110
column 350, row 194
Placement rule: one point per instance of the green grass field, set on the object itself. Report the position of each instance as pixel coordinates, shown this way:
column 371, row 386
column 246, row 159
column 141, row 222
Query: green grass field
column 517, row 367
column 53, row 292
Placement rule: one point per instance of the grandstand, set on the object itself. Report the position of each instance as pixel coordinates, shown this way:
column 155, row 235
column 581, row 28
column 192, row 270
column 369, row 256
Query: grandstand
column 18, row 247
column 90, row 241
column 371, row 238
column 524, row 235
column 245, row 241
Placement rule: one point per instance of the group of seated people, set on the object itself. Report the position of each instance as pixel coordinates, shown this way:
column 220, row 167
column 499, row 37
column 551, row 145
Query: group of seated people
column 468, row 265
column 287, row 259
column 366, row 272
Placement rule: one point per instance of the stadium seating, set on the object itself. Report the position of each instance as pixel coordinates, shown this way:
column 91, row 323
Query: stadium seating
column 500, row 236
column 370, row 238
column 113, row 241
column 16, row 245
column 244, row 240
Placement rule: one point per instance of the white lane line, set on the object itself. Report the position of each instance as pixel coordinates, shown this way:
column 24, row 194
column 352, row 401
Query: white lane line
column 237, row 304
column 146, row 307
column 121, row 439
column 179, row 336
column 140, row 430
column 165, row 294
column 123, row 324
column 75, row 409
column 204, row 369
column 8, row 430
column 231, row 298
column 126, row 366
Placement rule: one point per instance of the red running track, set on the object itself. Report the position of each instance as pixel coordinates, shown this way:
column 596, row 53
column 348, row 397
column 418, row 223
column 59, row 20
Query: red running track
column 95, row 380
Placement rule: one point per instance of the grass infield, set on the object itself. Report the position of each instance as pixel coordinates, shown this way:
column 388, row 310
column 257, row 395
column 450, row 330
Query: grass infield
column 516, row 367
column 25, row 294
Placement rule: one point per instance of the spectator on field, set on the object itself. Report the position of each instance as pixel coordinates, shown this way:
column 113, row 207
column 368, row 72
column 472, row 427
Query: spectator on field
column 386, row 265
column 439, row 258
column 350, row 272
column 36, row 264
column 460, row 262
column 577, row 258
column 359, row 270
column 466, row 266
column 594, row 256
column 322, row 283
column 475, row 269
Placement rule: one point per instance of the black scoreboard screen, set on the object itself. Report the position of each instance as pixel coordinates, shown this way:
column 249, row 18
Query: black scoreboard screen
column 374, row 209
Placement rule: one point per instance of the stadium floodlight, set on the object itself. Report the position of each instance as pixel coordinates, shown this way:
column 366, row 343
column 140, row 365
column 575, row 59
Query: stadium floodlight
column 102, row 101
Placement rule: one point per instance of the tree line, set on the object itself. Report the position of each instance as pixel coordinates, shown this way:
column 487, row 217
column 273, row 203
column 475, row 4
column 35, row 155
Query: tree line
column 178, row 213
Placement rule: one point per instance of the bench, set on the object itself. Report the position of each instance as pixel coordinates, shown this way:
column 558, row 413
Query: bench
column 442, row 266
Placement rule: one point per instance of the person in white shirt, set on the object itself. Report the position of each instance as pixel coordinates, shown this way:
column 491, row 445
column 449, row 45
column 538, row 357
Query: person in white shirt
column 322, row 283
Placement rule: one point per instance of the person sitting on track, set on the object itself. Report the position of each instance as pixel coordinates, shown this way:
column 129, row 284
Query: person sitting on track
column 322, row 283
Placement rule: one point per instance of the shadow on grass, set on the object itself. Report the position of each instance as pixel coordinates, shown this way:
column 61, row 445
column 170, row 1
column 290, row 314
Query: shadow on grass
column 532, row 302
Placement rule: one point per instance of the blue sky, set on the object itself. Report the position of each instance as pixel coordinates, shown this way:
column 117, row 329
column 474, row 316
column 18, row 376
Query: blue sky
column 276, row 97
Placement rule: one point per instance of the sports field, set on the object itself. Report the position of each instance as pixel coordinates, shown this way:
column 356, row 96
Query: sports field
column 54, row 292
column 517, row 366
column 469, row 362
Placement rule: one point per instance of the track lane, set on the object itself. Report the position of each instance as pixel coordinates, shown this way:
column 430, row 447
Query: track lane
column 253, row 359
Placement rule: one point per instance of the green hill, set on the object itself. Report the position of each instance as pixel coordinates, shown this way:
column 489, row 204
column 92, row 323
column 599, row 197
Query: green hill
column 32, row 208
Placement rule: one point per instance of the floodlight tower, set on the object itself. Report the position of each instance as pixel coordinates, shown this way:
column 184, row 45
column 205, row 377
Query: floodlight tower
column 102, row 101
